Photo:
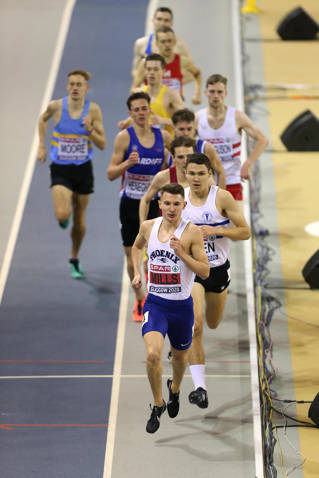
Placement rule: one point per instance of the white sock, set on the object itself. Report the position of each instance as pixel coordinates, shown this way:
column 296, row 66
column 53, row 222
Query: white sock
column 198, row 375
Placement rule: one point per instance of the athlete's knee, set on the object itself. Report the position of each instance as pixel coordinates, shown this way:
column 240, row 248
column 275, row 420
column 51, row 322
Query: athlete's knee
column 62, row 214
column 198, row 327
column 153, row 357
column 180, row 358
column 213, row 322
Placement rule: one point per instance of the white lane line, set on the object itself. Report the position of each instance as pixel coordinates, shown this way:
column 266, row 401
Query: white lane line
column 65, row 23
column 152, row 5
column 237, row 51
column 110, row 439
column 143, row 376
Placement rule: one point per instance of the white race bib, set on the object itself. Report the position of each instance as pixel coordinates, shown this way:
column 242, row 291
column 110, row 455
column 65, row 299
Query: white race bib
column 73, row 149
column 136, row 185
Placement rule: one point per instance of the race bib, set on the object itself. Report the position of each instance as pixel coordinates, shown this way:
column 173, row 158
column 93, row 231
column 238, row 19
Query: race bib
column 209, row 245
column 172, row 83
column 165, row 279
column 137, row 185
column 73, row 149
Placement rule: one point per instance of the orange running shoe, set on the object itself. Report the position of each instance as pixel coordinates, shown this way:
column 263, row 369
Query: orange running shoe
column 138, row 310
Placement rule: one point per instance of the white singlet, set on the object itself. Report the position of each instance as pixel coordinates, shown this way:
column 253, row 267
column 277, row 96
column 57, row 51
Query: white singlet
column 226, row 140
column 216, row 247
column 168, row 276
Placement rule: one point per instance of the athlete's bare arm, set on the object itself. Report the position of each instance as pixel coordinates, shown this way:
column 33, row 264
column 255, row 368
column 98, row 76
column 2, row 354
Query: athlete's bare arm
column 137, row 248
column 159, row 180
column 139, row 76
column 188, row 65
column 228, row 207
column 117, row 166
column 190, row 249
column 52, row 110
column 173, row 101
column 93, row 123
column 245, row 123
column 138, row 52
column 216, row 164
column 167, row 138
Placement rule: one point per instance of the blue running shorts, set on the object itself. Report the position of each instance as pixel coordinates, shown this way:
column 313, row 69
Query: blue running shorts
column 172, row 317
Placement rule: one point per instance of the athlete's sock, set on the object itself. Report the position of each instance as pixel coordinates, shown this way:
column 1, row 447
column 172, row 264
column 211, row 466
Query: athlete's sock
column 198, row 375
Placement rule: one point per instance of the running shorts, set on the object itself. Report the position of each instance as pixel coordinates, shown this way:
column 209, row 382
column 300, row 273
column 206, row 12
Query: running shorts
column 172, row 317
column 218, row 280
column 77, row 178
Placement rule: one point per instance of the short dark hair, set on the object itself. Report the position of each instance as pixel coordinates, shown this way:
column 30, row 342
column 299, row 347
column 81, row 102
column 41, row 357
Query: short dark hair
column 86, row 75
column 165, row 30
column 183, row 115
column 173, row 188
column 198, row 158
column 216, row 78
column 138, row 95
column 181, row 141
column 156, row 57
column 164, row 9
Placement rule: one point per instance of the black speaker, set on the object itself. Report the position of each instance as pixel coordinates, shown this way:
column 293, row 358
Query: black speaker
column 310, row 271
column 297, row 25
column 313, row 412
column 302, row 134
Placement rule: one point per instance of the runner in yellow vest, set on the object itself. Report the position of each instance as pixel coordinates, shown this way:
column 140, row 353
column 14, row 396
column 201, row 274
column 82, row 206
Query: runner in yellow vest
column 164, row 100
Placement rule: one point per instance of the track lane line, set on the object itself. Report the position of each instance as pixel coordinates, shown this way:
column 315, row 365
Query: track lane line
column 31, row 377
column 250, row 300
column 27, row 178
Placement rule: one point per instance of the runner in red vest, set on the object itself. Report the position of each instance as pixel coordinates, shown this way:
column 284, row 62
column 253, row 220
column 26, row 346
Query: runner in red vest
column 165, row 41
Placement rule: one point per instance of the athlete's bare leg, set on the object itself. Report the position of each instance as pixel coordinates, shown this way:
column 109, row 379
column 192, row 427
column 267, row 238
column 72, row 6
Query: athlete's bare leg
column 62, row 198
column 215, row 304
column 80, row 203
column 154, row 346
column 130, row 270
column 196, row 351
column 179, row 364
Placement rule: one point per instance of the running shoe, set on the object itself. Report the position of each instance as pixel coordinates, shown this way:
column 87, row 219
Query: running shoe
column 138, row 310
column 64, row 224
column 173, row 400
column 76, row 269
column 199, row 397
column 153, row 423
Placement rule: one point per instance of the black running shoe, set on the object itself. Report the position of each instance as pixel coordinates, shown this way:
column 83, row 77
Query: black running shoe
column 154, row 422
column 199, row 397
column 173, row 401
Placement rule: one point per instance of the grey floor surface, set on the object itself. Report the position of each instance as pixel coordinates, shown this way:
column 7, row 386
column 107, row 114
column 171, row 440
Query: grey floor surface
column 217, row 442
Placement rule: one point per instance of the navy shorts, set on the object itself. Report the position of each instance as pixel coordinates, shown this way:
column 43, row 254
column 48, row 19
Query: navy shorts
column 172, row 317
column 77, row 178
column 218, row 280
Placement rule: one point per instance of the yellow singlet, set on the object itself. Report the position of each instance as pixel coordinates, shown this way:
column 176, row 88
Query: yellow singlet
column 157, row 107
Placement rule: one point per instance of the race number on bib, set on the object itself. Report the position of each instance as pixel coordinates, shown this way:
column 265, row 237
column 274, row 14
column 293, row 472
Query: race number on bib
column 137, row 185
column 73, row 149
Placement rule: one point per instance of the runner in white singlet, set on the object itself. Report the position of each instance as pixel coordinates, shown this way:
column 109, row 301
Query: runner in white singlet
column 222, row 126
column 175, row 254
column 212, row 209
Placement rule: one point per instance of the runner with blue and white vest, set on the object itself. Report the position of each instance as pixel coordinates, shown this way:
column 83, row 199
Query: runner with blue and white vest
column 211, row 209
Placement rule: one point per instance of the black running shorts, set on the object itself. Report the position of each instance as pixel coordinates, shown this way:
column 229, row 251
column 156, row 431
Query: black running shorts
column 218, row 280
column 77, row 178
column 129, row 218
